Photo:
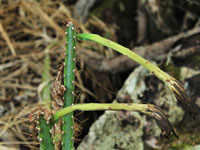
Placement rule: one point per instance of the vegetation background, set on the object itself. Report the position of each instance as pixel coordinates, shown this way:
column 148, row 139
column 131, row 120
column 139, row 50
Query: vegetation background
column 164, row 32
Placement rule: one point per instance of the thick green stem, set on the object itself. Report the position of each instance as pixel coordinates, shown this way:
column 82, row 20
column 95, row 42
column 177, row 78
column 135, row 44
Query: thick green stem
column 44, row 135
column 45, row 138
column 69, row 77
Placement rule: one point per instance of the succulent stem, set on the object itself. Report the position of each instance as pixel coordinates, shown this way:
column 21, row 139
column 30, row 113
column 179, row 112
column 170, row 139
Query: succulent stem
column 69, row 77
column 44, row 135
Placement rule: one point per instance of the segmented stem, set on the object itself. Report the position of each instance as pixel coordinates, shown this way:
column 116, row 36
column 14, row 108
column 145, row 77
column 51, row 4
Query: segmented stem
column 44, row 135
column 69, row 76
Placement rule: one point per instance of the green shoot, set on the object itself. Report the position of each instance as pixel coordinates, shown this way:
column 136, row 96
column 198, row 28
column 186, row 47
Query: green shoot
column 171, row 82
column 148, row 109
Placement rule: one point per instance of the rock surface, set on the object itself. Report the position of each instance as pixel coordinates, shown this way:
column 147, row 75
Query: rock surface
column 132, row 130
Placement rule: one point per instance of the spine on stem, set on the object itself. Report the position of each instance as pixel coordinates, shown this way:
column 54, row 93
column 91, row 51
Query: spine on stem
column 41, row 116
column 45, row 134
column 41, row 120
column 69, row 77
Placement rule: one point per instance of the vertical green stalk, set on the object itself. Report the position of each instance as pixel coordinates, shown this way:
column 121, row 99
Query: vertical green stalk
column 44, row 135
column 44, row 126
column 69, row 76
column 46, row 93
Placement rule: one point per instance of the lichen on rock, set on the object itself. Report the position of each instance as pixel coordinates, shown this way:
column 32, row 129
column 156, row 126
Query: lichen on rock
column 132, row 130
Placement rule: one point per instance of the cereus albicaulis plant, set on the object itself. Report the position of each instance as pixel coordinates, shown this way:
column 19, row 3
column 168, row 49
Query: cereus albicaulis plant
column 55, row 124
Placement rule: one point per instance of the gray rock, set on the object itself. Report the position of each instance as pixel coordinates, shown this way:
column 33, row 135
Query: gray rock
column 82, row 8
column 132, row 130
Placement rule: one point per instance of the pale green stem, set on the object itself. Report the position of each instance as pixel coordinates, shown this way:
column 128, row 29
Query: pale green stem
column 45, row 138
column 103, row 106
column 171, row 82
column 125, row 51
column 46, row 92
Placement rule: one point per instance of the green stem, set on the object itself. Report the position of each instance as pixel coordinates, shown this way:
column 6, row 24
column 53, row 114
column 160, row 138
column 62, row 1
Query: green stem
column 125, row 51
column 171, row 82
column 69, row 77
column 103, row 106
column 46, row 93
column 44, row 135
column 148, row 109
column 45, row 138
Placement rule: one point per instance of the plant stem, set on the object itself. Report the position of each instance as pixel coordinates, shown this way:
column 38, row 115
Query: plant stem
column 125, row 51
column 148, row 109
column 46, row 95
column 69, row 77
column 45, row 138
column 171, row 82
column 44, row 135
column 103, row 106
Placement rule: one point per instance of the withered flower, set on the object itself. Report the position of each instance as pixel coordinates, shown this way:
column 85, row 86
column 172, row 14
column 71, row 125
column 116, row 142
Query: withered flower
column 160, row 118
column 182, row 97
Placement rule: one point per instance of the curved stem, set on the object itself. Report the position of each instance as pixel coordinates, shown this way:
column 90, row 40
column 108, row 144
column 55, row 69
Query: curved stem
column 148, row 109
column 171, row 82
column 103, row 106
column 125, row 51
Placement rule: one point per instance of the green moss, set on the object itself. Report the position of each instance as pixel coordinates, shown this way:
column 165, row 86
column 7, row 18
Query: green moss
column 104, row 5
column 186, row 141
column 180, row 146
column 193, row 59
column 172, row 70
